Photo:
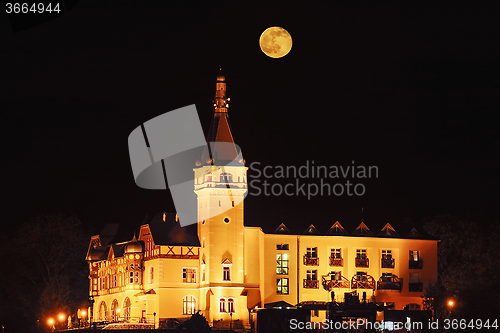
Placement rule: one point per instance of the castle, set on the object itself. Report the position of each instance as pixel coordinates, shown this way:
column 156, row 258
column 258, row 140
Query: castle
column 226, row 270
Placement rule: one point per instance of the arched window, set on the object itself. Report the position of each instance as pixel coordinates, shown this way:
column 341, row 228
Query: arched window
column 222, row 305
column 103, row 312
column 126, row 309
column 114, row 311
column 151, row 274
column 188, row 305
column 230, row 305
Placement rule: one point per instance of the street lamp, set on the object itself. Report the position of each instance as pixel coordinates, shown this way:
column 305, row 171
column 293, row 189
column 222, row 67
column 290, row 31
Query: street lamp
column 450, row 303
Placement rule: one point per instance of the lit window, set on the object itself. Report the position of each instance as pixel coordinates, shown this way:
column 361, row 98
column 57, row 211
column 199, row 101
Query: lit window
column 414, row 256
column 202, row 273
column 189, row 275
column 126, row 308
column 188, row 305
column 222, row 304
column 151, row 274
column 137, row 280
column 361, row 254
column 282, row 286
column 230, row 305
column 312, row 252
column 282, row 263
column 226, row 273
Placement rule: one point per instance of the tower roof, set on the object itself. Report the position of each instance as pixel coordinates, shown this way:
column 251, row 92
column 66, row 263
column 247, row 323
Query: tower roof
column 221, row 147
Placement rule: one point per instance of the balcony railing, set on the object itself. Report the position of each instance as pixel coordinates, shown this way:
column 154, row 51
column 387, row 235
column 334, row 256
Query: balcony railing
column 336, row 262
column 391, row 283
column 310, row 261
column 388, row 263
column 415, row 264
column 363, row 282
column 311, row 284
column 415, row 286
column 329, row 284
column 362, row 262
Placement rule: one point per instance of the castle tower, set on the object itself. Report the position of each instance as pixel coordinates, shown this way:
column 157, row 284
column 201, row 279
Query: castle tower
column 220, row 185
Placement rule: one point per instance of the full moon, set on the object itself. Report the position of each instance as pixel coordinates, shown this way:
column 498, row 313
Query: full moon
column 275, row 42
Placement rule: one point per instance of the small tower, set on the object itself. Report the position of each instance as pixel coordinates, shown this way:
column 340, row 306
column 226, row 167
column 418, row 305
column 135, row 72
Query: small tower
column 220, row 185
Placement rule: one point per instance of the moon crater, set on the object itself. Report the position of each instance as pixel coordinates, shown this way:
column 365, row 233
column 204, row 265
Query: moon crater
column 275, row 42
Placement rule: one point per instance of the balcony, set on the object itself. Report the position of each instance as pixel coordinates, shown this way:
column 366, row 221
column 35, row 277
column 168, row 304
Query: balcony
column 363, row 282
column 415, row 264
column 415, row 286
column 308, row 261
column 338, row 262
column 329, row 284
column 311, row 284
column 390, row 283
column 360, row 262
column 388, row 263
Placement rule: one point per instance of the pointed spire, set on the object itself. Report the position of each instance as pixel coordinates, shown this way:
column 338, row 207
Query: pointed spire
column 220, row 138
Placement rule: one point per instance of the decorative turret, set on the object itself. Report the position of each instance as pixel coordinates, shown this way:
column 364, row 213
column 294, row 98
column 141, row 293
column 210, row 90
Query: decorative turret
column 133, row 247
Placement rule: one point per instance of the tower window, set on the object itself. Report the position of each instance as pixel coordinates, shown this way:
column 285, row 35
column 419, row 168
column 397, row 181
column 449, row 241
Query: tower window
column 226, row 273
column 226, row 177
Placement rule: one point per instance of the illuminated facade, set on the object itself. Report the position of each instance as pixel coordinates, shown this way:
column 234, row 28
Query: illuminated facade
column 224, row 269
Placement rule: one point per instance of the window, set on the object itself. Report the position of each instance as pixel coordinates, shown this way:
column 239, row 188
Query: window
column 226, row 273
column 414, row 256
column 151, row 274
column 386, row 277
column 114, row 312
column 336, row 275
column 361, row 276
column 387, row 254
column 222, row 304
column 115, row 280
column 202, row 273
column 188, row 305
column 230, row 305
column 361, row 254
column 131, row 277
column 282, row 286
column 414, row 278
column 282, row 263
column 189, row 275
column 126, row 309
column 281, row 246
column 137, row 278
column 226, row 178
column 312, row 252
column 312, row 274
column 103, row 312
column 336, row 254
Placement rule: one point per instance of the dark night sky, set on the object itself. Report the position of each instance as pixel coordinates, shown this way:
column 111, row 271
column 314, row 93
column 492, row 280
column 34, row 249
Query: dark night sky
column 410, row 88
